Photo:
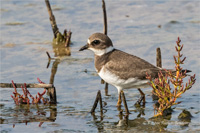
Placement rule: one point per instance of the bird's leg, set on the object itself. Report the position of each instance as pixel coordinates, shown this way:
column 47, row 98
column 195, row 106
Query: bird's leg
column 119, row 100
column 142, row 98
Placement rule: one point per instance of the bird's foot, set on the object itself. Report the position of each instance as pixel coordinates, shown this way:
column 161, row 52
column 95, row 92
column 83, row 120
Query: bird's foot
column 119, row 103
column 141, row 99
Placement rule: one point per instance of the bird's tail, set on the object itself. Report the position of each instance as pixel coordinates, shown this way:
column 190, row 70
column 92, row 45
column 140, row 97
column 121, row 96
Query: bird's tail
column 182, row 71
column 185, row 70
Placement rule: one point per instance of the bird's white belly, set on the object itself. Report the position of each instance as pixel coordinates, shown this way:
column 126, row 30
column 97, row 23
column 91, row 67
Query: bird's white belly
column 121, row 83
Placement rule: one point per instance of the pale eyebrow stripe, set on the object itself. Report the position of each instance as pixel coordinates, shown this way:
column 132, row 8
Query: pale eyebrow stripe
column 88, row 41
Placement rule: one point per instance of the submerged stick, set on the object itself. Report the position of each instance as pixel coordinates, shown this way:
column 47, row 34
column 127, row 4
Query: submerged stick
column 29, row 85
column 98, row 98
column 95, row 103
column 68, row 39
column 49, row 57
column 52, row 19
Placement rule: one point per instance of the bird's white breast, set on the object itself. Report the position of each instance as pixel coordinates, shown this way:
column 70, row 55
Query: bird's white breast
column 116, row 81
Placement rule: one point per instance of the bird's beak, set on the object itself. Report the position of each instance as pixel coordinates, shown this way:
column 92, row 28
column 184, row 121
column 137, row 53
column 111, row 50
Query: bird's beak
column 84, row 47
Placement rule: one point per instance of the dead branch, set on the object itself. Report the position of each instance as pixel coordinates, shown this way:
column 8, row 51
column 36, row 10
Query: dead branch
column 98, row 98
column 52, row 19
column 68, row 39
column 29, row 85
column 104, row 17
column 158, row 58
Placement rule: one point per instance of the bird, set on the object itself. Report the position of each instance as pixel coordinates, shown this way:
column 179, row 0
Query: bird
column 119, row 68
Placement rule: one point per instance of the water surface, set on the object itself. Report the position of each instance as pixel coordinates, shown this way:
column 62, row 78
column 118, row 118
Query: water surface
column 133, row 26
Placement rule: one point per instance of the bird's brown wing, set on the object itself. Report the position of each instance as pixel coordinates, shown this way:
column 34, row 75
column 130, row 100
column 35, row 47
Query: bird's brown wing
column 127, row 66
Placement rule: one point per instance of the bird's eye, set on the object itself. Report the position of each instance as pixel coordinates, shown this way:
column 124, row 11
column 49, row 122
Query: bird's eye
column 95, row 42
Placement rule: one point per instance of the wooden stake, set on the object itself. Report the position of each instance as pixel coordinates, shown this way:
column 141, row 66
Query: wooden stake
column 95, row 103
column 52, row 19
column 98, row 98
column 104, row 16
column 52, row 94
column 52, row 91
column 105, row 32
column 158, row 58
column 67, row 43
column 158, row 64
column 53, row 71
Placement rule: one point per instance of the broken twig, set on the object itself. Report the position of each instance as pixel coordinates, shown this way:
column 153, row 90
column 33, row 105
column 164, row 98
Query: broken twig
column 98, row 98
column 68, row 39
column 52, row 19
column 158, row 58
column 104, row 17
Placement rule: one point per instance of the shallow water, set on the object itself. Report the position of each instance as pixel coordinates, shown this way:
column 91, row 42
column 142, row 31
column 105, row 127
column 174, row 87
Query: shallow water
column 26, row 35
